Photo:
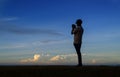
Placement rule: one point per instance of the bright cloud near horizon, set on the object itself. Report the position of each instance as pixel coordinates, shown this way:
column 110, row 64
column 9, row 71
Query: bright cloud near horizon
column 34, row 59
column 28, row 27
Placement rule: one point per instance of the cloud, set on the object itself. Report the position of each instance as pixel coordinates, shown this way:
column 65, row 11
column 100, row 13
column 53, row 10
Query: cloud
column 84, row 54
column 93, row 61
column 57, row 58
column 4, row 27
column 48, row 59
column 35, row 59
column 14, row 45
column 49, row 41
column 8, row 19
column 62, row 57
column 33, row 31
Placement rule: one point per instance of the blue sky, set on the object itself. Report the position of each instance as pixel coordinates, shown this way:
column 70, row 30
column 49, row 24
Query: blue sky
column 37, row 32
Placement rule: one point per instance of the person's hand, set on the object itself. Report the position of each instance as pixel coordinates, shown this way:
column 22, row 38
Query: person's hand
column 73, row 26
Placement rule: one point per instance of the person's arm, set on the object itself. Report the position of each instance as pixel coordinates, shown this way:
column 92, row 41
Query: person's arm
column 72, row 31
column 73, row 28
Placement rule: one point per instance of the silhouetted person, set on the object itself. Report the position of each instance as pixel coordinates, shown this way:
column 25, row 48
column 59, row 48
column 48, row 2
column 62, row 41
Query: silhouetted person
column 77, row 31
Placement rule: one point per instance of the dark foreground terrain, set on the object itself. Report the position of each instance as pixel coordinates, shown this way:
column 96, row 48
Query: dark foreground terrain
column 59, row 71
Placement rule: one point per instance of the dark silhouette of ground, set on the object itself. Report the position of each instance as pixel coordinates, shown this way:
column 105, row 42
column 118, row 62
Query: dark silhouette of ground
column 59, row 71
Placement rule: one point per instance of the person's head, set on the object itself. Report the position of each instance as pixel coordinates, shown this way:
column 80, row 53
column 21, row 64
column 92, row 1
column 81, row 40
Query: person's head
column 79, row 22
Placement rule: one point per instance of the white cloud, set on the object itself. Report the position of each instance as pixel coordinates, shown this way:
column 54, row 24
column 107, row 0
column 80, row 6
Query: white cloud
column 93, row 61
column 62, row 57
column 34, row 59
column 57, row 58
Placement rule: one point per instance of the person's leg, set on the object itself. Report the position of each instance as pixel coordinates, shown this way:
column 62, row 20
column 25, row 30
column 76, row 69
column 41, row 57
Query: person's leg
column 78, row 47
column 79, row 55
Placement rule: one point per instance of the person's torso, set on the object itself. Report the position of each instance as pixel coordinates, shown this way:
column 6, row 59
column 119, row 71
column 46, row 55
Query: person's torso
column 78, row 35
